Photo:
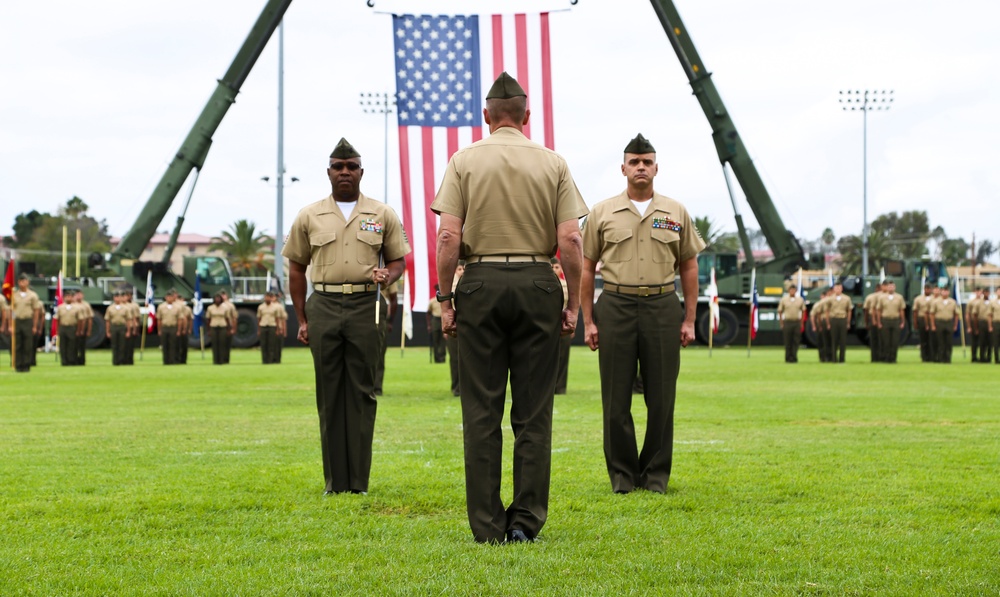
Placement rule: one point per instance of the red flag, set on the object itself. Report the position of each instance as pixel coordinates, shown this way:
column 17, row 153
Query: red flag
column 754, row 306
column 444, row 65
column 55, row 309
column 8, row 280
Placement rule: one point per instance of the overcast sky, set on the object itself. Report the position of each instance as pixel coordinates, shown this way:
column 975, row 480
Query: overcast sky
column 95, row 98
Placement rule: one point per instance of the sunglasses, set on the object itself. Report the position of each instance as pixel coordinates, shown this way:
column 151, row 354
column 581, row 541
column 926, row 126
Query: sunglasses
column 352, row 166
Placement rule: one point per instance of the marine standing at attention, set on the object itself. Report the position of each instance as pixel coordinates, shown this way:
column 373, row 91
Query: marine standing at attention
column 890, row 316
column 117, row 317
column 185, row 321
column 646, row 243
column 506, row 204
column 921, row 307
column 4, row 315
column 944, row 323
column 27, row 319
column 838, row 320
column 84, row 326
column 68, row 315
column 218, row 329
column 167, row 315
column 790, row 311
column 345, row 238
column 268, row 320
column 870, row 322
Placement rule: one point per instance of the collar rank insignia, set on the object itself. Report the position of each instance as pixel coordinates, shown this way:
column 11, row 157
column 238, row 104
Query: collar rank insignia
column 371, row 226
column 667, row 224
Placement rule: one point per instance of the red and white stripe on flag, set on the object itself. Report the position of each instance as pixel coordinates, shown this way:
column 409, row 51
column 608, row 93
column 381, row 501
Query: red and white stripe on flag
column 444, row 65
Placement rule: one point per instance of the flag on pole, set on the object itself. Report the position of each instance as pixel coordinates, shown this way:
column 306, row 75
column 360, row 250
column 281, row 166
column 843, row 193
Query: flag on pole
column 150, row 303
column 8, row 280
column 55, row 308
column 754, row 305
column 197, row 308
column 443, row 64
column 713, row 302
column 829, row 277
column 881, row 276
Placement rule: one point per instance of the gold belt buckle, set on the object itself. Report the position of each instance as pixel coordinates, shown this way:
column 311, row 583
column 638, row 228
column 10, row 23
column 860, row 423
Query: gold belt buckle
column 348, row 288
column 643, row 291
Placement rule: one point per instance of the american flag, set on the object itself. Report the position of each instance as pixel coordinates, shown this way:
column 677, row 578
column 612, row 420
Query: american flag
column 754, row 306
column 443, row 65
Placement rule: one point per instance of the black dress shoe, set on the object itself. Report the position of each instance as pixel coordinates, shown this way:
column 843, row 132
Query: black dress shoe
column 328, row 493
column 518, row 536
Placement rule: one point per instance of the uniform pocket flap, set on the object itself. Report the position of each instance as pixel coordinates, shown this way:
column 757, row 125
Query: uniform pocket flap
column 469, row 287
column 370, row 238
column 665, row 236
column 319, row 239
column 617, row 235
column 547, row 285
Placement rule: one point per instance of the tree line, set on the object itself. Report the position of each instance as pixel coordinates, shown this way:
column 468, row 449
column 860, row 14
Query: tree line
column 38, row 238
column 906, row 235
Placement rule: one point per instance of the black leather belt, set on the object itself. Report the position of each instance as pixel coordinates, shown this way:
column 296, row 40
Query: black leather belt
column 639, row 290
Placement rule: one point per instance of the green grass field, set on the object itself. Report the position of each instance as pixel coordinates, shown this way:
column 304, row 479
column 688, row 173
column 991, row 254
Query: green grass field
column 853, row 479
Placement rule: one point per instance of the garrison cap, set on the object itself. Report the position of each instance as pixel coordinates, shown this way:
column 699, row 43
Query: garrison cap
column 24, row 277
column 639, row 145
column 344, row 150
column 505, row 87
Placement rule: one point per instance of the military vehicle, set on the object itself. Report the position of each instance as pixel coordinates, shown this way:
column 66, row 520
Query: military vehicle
column 124, row 265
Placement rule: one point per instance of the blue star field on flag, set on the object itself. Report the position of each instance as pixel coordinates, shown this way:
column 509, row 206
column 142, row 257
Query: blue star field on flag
column 437, row 70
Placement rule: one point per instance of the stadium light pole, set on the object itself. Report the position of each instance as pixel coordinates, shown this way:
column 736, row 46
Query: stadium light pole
column 865, row 101
column 380, row 103
column 279, row 237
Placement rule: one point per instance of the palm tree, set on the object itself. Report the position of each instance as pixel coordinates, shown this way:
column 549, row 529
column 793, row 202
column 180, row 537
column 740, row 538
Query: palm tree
column 247, row 249
column 707, row 229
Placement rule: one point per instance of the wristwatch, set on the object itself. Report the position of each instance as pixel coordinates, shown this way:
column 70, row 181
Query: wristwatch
column 441, row 298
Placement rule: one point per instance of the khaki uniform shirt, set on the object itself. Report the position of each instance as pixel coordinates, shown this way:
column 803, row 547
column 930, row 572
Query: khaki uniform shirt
column 167, row 315
column 511, row 194
column 870, row 301
column 68, row 314
column 891, row 306
column 218, row 316
column 117, row 314
column 135, row 311
column 86, row 311
column 640, row 250
column 820, row 308
column 4, row 307
column 839, row 307
column 268, row 315
column 994, row 310
column 791, row 307
column 25, row 304
column 343, row 251
column 434, row 308
column 922, row 306
column 945, row 309
column 972, row 307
